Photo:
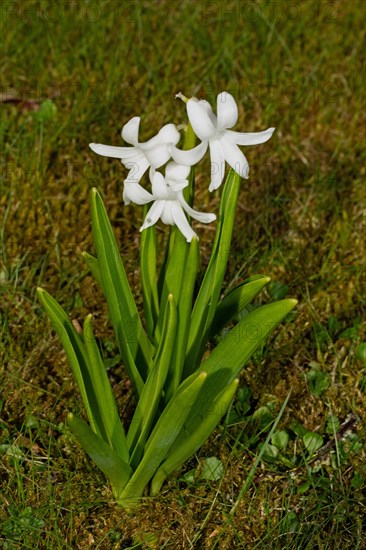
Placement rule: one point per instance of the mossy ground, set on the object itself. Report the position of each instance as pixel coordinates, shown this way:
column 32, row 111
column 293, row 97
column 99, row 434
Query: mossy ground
column 301, row 220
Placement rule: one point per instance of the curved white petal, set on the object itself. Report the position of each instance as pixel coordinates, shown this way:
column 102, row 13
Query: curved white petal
column 159, row 187
column 217, row 164
column 190, row 157
column 168, row 134
column 137, row 168
column 203, row 217
column 235, row 158
column 249, row 138
column 227, row 111
column 130, row 131
column 181, row 221
column 200, row 119
column 134, row 192
column 157, row 155
column 175, row 171
column 113, row 152
column 153, row 214
column 167, row 215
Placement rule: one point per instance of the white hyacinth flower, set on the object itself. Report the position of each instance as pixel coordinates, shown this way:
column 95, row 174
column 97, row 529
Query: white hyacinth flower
column 155, row 152
column 214, row 132
column 169, row 202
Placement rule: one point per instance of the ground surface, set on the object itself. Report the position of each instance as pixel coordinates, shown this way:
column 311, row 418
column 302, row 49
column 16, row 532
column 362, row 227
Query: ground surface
column 301, row 220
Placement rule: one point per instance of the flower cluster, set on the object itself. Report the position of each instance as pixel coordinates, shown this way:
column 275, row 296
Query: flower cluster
column 169, row 204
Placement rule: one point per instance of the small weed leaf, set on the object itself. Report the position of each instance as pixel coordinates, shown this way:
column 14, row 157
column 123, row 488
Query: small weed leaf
column 317, row 380
column 213, row 469
column 312, row 442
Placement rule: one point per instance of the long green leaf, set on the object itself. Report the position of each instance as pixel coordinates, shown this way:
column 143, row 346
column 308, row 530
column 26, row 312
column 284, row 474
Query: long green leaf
column 111, row 422
column 151, row 394
column 184, row 317
column 92, row 263
column 135, row 348
column 114, row 468
column 174, row 273
column 209, row 293
column 162, row 437
column 235, row 301
column 76, row 354
column 229, row 357
column 148, row 278
column 178, row 454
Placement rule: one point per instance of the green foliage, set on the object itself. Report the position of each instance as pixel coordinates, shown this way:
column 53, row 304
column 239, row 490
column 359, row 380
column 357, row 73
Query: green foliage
column 180, row 399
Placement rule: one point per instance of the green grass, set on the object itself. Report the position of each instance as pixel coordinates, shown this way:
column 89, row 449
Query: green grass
column 295, row 66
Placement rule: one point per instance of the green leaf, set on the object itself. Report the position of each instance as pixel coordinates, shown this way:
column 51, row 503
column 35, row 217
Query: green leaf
column 162, row 437
column 209, row 293
column 184, row 317
column 110, row 422
column 317, row 380
column 148, row 278
column 151, row 394
column 135, row 348
column 47, row 111
column 312, row 442
column 76, row 354
column 270, row 453
column 234, row 302
column 93, row 265
column 213, row 469
column 114, row 468
column 228, row 358
column 174, row 273
column 361, row 352
column 184, row 446
column 280, row 439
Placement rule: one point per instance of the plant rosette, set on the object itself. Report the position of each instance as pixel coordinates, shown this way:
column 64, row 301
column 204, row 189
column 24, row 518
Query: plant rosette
column 181, row 395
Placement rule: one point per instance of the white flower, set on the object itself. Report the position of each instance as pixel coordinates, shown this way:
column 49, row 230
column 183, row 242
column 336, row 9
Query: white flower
column 155, row 152
column 169, row 203
column 213, row 131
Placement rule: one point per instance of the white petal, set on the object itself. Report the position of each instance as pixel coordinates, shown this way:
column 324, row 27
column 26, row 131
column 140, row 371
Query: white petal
column 130, row 131
column 200, row 119
column 203, row 217
column 157, row 155
column 153, row 214
column 227, row 111
column 167, row 214
column 190, row 157
column 113, row 152
column 235, row 158
column 249, row 138
column 181, row 221
column 137, row 168
column 174, row 171
column 217, row 164
column 159, row 187
column 134, row 192
column 168, row 134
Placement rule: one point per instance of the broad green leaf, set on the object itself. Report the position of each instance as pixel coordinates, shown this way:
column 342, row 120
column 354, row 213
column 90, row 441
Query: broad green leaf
column 184, row 316
column 151, row 394
column 209, row 293
column 229, row 357
column 111, row 425
column 135, row 348
column 93, row 265
column 184, row 448
column 234, row 302
column 114, row 468
column 148, row 278
column 76, row 354
column 165, row 432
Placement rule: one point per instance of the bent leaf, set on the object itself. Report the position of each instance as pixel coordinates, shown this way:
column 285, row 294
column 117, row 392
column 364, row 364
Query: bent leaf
column 114, row 468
